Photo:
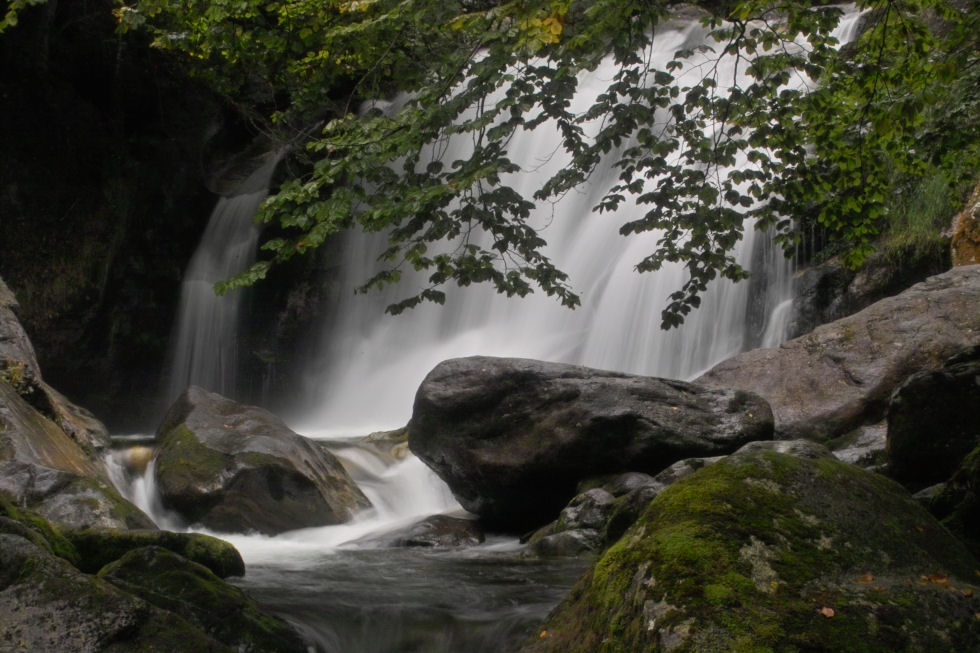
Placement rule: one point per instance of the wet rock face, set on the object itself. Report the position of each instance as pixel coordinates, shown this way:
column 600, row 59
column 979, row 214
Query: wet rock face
column 841, row 375
column 238, row 468
column 513, row 437
column 769, row 551
column 42, row 468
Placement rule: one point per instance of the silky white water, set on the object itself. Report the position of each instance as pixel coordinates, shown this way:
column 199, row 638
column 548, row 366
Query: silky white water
column 342, row 586
column 371, row 363
column 205, row 340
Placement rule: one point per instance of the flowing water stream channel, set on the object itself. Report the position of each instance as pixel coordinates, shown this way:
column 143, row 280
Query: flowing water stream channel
column 345, row 587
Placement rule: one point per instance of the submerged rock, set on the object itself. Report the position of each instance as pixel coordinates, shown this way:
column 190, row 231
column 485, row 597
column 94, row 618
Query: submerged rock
column 440, row 532
column 513, row 437
column 839, row 377
column 237, row 468
column 768, row 551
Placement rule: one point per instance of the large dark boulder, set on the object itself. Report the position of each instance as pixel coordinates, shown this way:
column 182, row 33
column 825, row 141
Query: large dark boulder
column 237, row 468
column 513, row 437
column 841, row 375
column 934, row 421
column 765, row 551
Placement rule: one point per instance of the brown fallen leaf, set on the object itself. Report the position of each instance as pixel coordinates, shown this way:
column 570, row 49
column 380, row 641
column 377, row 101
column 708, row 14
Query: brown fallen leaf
column 544, row 633
column 939, row 579
column 827, row 611
column 966, row 592
column 866, row 579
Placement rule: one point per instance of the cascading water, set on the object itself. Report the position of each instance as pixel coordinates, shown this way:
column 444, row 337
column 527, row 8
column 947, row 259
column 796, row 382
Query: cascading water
column 343, row 587
column 205, row 343
column 372, row 363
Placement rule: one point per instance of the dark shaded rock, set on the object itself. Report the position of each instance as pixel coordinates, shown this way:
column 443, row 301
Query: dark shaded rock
column 440, row 531
column 45, row 470
column 46, row 604
column 766, row 551
column 957, row 502
column 224, row 612
column 840, row 376
column 934, row 421
column 514, row 437
column 98, row 547
column 237, row 468
column 578, row 528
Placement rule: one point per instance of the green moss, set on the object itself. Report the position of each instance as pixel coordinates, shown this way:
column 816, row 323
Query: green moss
column 39, row 530
column 99, row 547
column 763, row 552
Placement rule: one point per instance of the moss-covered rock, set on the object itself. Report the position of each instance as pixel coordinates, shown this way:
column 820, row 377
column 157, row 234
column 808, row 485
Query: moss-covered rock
column 177, row 585
column 98, row 547
column 46, row 604
column 238, row 468
column 39, row 531
column 765, row 551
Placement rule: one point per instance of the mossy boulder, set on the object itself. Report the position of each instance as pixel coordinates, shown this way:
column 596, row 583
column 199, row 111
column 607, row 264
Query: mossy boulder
column 185, row 588
column 841, row 375
column 765, row 551
column 98, row 547
column 514, row 437
column 46, row 604
column 237, row 468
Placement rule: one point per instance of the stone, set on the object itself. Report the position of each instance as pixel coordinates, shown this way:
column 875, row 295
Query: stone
column 934, row 421
column 236, row 468
column 48, row 605
column 45, row 470
column 513, row 437
column 841, row 375
column 224, row 612
column 97, row 547
column 439, row 532
column 957, row 501
column 769, row 551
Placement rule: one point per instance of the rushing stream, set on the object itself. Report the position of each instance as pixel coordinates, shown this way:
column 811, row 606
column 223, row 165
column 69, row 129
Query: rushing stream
column 345, row 587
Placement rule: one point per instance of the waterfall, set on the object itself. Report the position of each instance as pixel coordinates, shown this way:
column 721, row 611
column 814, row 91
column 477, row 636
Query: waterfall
column 370, row 363
column 205, row 344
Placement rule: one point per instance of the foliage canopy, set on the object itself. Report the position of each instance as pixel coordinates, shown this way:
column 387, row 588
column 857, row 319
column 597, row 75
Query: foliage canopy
column 897, row 104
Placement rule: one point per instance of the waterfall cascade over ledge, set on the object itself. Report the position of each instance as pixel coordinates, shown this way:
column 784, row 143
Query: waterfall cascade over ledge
column 370, row 363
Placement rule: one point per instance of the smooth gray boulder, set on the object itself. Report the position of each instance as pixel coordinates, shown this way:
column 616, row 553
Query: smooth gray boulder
column 840, row 376
column 237, row 468
column 513, row 437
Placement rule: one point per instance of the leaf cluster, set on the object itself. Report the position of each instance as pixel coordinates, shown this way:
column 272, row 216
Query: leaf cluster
column 770, row 119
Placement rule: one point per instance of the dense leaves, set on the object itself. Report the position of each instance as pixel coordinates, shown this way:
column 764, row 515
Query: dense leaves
column 796, row 132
